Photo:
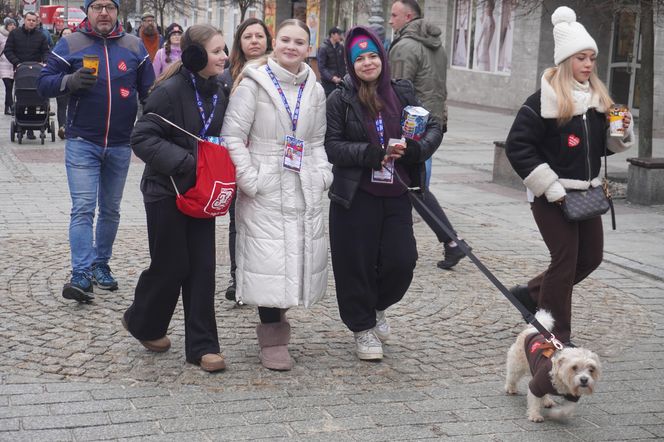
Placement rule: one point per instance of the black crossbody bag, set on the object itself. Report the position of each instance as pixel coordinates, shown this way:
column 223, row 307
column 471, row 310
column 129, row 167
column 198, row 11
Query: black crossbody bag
column 580, row 205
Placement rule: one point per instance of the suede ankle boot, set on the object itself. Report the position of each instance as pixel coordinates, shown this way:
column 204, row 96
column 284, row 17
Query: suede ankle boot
column 273, row 340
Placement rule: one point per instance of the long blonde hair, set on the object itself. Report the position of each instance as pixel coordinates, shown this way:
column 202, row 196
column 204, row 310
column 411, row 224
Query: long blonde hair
column 196, row 34
column 561, row 79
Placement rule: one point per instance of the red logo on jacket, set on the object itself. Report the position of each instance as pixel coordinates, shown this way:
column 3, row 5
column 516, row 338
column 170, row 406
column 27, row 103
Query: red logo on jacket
column 124, row 92
column 122, row 66
column 573, row 140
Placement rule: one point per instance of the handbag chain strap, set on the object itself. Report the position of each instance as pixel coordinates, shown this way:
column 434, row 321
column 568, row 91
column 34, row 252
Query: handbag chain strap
column 605, row 184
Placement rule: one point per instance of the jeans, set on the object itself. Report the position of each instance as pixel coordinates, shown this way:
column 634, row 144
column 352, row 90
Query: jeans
column 427, row 165
column 94, row 174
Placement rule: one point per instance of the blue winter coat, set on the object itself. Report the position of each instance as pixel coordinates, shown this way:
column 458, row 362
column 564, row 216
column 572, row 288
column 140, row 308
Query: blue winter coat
column 104, row 114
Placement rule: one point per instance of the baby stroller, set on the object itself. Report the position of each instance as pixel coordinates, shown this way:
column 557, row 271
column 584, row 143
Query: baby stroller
column 31, row 111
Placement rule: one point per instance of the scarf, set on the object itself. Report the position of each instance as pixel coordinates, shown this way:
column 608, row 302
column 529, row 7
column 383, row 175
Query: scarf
column 151, row 43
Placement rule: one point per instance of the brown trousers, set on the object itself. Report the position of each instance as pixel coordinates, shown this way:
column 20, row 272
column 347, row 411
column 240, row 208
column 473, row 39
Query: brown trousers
column 576, row 250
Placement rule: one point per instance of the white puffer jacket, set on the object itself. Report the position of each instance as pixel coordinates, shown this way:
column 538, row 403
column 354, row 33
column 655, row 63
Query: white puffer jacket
column 281, row 247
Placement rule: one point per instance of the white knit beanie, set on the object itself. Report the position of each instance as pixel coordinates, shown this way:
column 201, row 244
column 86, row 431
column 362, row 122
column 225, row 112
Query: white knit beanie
column 569, row 35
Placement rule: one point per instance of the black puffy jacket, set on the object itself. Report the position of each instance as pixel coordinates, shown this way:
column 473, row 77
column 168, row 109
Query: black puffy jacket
column 23, row 45
column 167, row 151
column 573, row 151
column 348, row 147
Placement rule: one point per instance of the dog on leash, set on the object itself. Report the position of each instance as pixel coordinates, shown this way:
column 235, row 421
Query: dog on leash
column 569, row 372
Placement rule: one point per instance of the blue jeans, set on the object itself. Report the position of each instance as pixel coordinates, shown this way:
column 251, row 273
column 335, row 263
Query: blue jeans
column 428, row 171
column 94, row 174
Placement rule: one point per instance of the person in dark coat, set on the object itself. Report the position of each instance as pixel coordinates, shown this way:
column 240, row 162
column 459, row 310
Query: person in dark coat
column 27, row 43
column 182, row 248
column 371, row 226
column 331, row 60
column 556, row 145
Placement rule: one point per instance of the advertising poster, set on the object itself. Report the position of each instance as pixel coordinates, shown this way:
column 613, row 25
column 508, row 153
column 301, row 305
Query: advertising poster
column 313, row 22
column 271, row 16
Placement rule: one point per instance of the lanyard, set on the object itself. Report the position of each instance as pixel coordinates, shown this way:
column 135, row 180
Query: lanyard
column 199, row 102
column 294, row 115
column 380, row 129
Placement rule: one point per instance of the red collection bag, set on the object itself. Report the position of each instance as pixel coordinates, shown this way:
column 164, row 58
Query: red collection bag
column 215, row 181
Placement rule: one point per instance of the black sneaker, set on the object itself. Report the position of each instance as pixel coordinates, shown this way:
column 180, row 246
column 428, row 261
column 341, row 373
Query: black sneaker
column 79, row 288
column 522, row 294
column 230, row 291
column 452, row 257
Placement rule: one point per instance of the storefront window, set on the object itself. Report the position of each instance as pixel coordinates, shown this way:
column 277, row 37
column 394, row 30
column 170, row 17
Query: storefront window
column 483, row 35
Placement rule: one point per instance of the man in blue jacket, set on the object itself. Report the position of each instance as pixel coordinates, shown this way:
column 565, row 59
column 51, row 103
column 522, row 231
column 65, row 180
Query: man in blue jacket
column 100, row 116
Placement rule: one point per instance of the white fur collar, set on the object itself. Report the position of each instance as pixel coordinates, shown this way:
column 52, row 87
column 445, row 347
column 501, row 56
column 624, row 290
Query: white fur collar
column 549, row 102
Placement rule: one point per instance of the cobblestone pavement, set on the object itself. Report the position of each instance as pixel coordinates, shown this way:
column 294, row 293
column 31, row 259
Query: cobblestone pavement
column 71, row 372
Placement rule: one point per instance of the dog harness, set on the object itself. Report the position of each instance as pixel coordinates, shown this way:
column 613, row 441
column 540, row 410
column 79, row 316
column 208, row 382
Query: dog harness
column 539, row 353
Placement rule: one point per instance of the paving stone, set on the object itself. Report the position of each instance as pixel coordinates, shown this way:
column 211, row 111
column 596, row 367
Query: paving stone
column 9, row 424
column 253, row 432
column 68, row 421
column 37, row 435
column 116, row 431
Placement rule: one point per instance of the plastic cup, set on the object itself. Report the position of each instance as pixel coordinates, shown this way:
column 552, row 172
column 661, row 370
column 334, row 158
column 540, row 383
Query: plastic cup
column 91, row 62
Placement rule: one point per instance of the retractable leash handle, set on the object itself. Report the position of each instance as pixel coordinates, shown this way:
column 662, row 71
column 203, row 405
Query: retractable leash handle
column 528, row 316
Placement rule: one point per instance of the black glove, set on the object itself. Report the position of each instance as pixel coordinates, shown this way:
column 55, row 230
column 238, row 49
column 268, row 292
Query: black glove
column 81, row 80
column 373, row 157
column 413, row 151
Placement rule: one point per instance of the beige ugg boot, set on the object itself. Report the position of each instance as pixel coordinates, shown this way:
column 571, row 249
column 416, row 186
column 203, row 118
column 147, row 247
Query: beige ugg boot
column 273, row 340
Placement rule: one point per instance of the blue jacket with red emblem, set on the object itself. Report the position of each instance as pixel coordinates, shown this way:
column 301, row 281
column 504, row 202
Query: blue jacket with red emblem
column 104, row 114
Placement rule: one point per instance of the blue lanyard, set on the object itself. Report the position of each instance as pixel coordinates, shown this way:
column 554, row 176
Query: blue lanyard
column 294, row 115
column 201, row 109
column 380, row 129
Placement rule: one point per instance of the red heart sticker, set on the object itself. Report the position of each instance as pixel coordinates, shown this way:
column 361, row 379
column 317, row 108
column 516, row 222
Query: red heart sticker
column 573, row 141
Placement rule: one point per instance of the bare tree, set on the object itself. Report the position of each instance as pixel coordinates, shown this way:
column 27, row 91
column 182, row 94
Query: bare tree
column 244, row 5
column 159, row 7
column 126, row 8
column 649, row 9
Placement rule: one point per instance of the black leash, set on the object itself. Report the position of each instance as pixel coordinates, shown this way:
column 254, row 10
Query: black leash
column 528, row 316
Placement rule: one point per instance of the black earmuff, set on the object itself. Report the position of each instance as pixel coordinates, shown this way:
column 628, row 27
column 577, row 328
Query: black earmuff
column 194, row 58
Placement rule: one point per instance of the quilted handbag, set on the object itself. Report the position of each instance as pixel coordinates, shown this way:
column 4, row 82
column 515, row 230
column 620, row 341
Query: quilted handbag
column 580, row 205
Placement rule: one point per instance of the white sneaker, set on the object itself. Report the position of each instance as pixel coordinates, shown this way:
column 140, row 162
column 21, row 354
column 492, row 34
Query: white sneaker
column 382, row 328
column 368, row 346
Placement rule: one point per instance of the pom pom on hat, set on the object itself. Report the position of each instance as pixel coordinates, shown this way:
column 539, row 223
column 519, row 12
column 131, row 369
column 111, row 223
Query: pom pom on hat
column 569, row 35
column 563, row 15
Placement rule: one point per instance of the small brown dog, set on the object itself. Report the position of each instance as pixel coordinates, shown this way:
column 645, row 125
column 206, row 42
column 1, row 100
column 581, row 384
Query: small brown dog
column 570, row 372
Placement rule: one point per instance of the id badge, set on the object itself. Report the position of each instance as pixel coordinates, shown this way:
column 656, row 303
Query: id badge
column 384, row 175
column 293, row 153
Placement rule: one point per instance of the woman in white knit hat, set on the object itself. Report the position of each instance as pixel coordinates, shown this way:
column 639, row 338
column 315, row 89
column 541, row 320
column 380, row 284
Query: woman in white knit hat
column 556, row 144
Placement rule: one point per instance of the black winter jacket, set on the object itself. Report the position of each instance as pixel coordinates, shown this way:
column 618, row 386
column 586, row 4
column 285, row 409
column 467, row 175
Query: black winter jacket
column 348, row 148
column 23, row 45
column 167, row 151
column 331, row 62
column 573, row 151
